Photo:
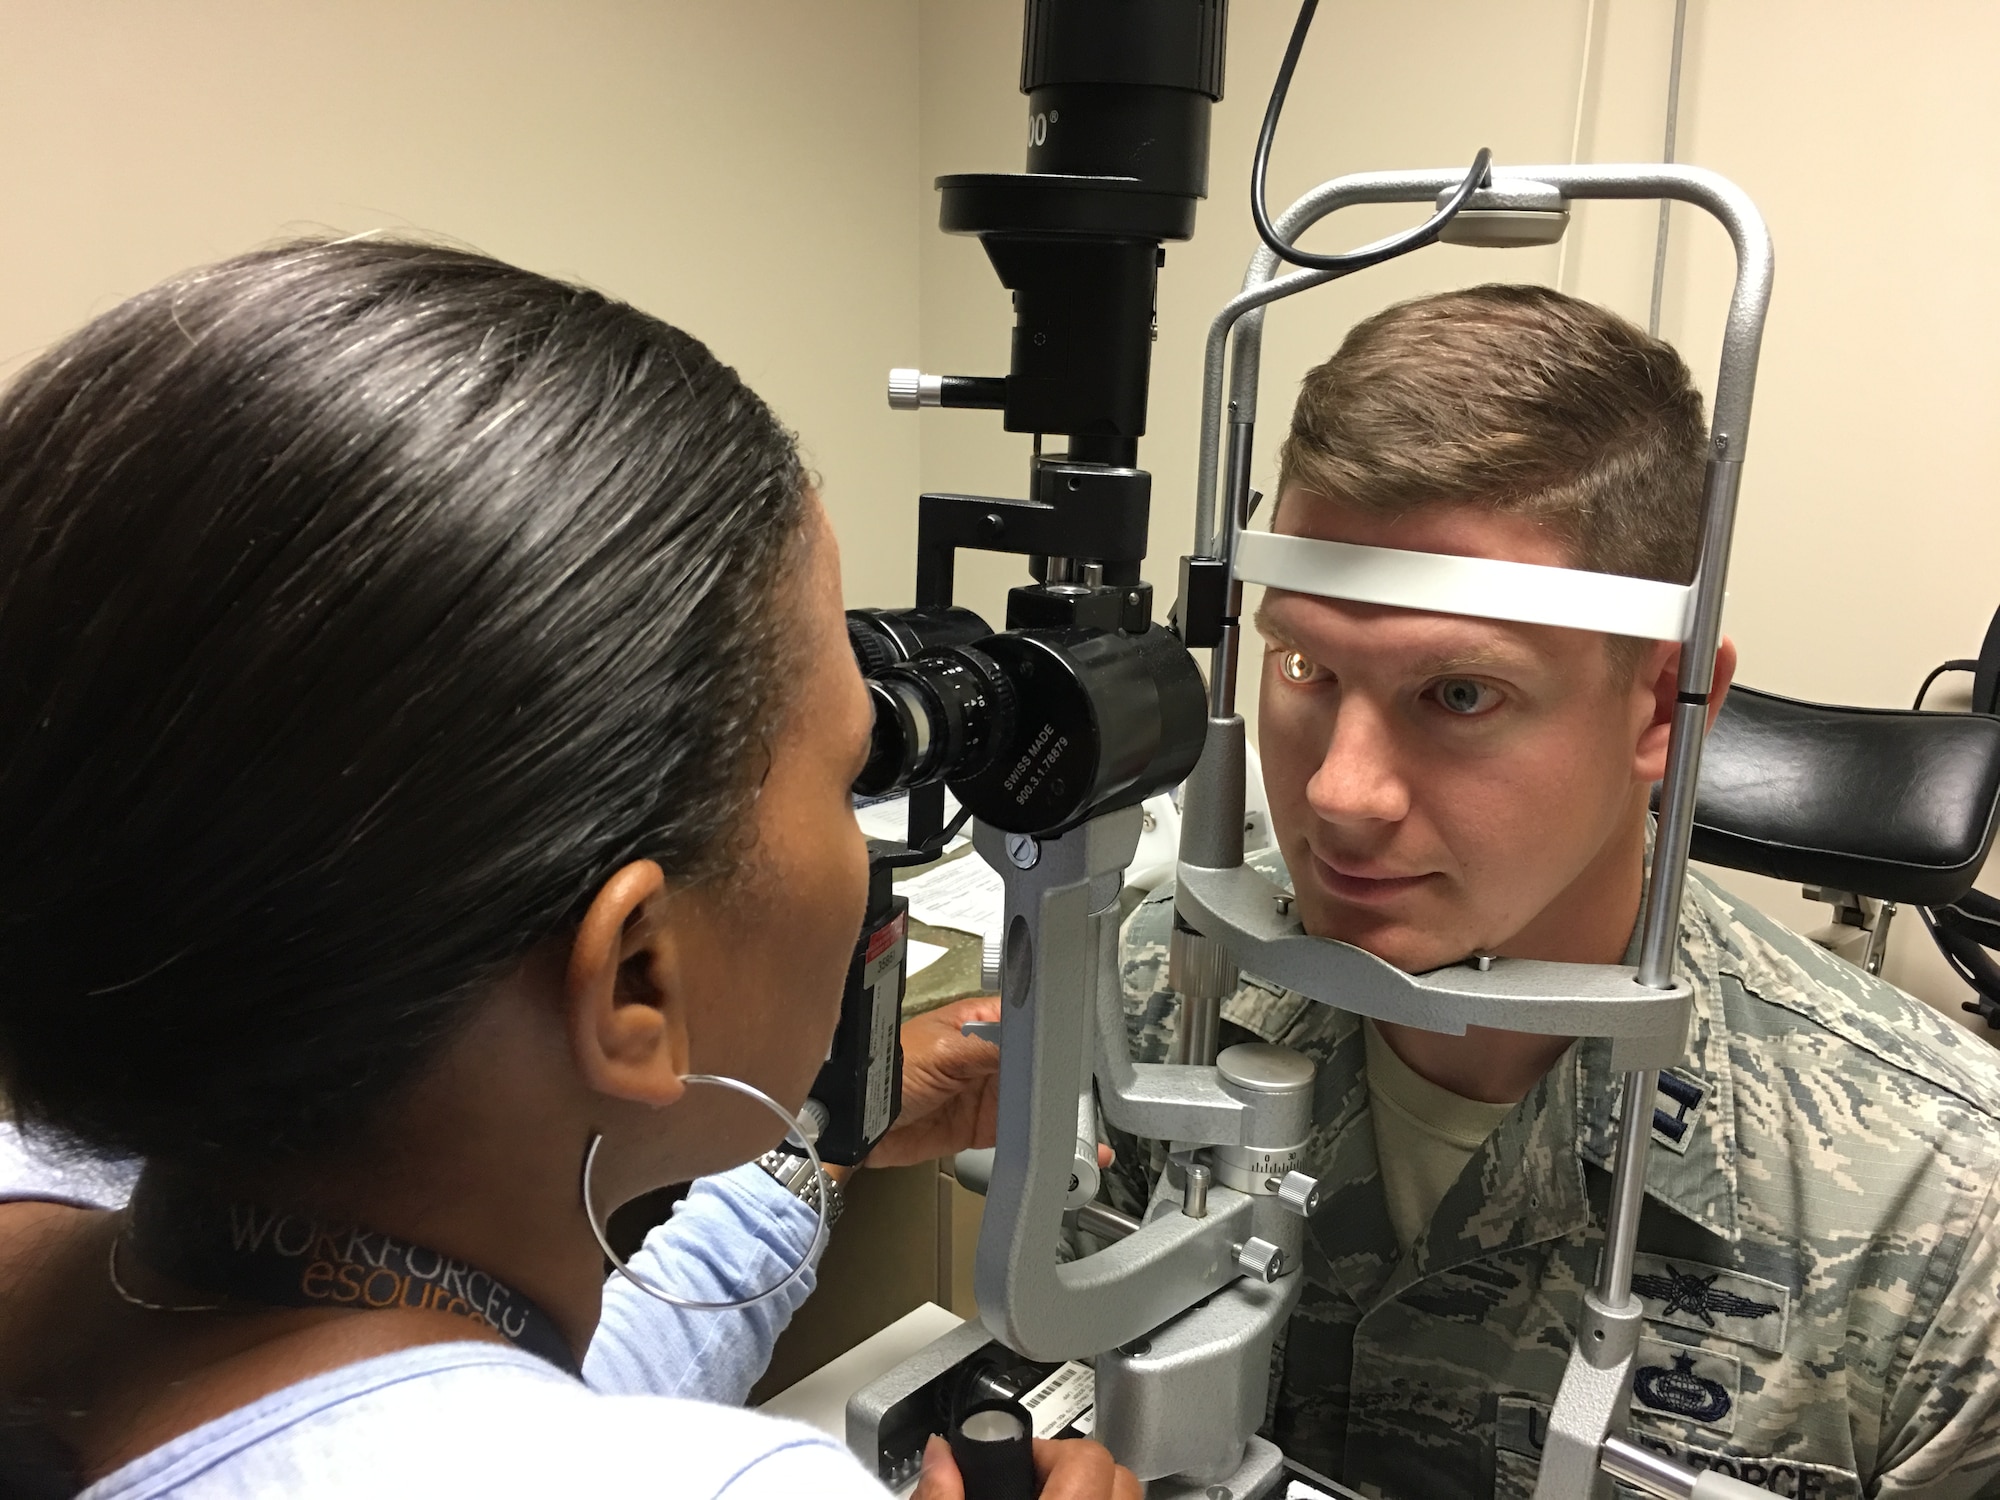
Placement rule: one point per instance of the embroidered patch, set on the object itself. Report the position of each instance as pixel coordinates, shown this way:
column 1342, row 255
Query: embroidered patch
column 1711, row 1300
column 1523, row 1429
column 1695, row 1385
column 1676, row 1107
column 1780, row 1476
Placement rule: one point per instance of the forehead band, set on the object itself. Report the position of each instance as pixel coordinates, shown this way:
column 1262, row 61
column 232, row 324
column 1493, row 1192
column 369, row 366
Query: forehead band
column 1524, row 592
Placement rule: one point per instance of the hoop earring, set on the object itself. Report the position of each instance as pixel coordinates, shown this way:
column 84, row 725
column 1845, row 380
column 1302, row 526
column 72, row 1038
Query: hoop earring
column 795, row 1133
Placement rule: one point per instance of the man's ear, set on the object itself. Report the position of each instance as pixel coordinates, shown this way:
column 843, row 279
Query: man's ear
column 624, row 1003
column 1659, row 681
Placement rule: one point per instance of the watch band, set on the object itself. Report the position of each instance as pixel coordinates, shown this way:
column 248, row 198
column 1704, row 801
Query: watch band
column 796, row 1176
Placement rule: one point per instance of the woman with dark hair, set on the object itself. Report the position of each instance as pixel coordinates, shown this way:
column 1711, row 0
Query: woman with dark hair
column 426, row 731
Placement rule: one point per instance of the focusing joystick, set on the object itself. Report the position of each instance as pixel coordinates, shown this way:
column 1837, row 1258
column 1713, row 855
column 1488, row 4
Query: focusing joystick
column 993, row 1445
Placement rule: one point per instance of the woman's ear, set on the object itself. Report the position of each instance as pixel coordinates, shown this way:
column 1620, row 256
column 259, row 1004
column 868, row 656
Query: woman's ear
column 622, row 992
column 1659, row 687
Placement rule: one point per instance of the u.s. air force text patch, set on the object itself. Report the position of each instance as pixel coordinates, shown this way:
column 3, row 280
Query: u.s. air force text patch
column 1707, row 1299
column 1522, row 1432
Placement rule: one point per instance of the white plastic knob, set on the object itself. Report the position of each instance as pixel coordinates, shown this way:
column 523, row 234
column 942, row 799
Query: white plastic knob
column 989, row 964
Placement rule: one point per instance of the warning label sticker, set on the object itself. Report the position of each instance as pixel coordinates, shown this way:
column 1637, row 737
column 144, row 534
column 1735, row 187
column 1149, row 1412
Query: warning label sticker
column 883, row 963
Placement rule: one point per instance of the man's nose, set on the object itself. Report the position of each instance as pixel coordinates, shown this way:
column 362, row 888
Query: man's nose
column 1360, row 779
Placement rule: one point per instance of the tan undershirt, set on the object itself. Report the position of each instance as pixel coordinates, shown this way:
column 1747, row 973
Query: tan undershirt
column 1424, row 1136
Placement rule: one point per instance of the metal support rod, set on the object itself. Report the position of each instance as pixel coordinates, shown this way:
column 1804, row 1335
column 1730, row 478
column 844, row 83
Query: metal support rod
column 1645, row 1470
column 1104, row 1221
column 1222, row 674
column 1222, row 671
column 1628, row 1191
column 1667, row 155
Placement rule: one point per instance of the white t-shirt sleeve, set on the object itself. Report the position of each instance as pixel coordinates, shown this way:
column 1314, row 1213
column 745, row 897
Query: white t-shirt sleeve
column 819, row 1470
column 485, row 1420
column 29, row 1173
column 734, row 1234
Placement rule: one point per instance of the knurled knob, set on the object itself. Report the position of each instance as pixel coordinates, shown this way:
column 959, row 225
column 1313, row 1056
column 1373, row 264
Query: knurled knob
column 814, row 1116
column 910, row 389
column 1300, row 1194
column 1260, row 1260
column 989, row 964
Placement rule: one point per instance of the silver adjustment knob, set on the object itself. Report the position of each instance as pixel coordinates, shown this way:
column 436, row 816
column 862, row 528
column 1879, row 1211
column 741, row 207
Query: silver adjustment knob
column 1260, row 1260
column 1300, row 1194
column 910, row 389
column 814, row 1116
column 989, row 964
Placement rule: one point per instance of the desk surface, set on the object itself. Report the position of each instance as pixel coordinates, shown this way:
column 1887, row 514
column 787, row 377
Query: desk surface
column 820, row 1400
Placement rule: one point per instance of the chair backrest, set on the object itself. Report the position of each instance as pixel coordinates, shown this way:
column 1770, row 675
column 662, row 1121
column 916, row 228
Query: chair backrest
column 1889, row 803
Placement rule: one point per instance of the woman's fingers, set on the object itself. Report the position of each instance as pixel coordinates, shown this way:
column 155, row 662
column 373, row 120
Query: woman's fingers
column 1074, row 1469
column 939, row 1480
column 1078, row 1469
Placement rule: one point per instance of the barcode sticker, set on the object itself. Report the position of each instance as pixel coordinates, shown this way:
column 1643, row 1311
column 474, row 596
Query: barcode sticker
column 1062, row 1399
column 882, row 963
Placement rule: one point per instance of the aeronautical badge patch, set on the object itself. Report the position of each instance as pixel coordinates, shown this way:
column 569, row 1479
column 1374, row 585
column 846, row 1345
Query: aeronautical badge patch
column 1695, row 1385
column 1707, row 1299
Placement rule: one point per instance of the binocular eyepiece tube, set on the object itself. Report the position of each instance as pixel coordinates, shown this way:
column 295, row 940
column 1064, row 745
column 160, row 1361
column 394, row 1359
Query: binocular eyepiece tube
column 1035, row 730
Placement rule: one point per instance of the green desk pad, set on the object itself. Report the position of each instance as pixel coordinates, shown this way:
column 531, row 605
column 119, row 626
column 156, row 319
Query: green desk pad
column 952, row 977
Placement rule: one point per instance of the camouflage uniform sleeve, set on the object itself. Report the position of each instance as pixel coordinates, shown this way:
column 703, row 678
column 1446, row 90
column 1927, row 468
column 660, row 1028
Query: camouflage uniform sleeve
column 1152, row 1011
column 1941, row 1418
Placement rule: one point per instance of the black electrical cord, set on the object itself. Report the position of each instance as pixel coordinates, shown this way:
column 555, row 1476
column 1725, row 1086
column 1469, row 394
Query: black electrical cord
column 1939, row 671
column 1371, row 255
column 923, row 854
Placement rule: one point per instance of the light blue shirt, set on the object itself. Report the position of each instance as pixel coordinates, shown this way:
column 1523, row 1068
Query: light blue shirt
column 658, row 1410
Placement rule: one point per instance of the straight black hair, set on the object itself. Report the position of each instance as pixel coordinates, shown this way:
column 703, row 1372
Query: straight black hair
column 363, row 605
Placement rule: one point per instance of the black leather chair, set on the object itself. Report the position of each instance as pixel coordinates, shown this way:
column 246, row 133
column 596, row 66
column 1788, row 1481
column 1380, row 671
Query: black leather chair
column 1889, row 803
column 1895, row 805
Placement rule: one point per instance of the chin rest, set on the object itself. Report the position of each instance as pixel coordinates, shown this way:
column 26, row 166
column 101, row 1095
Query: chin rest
column 1888, row 803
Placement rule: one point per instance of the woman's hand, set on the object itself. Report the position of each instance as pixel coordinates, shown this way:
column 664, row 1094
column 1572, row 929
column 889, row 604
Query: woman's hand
column 951, row 1086
column 1074, row 1469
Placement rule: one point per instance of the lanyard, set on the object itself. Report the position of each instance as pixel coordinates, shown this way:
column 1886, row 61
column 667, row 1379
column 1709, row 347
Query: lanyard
column 287, row 1259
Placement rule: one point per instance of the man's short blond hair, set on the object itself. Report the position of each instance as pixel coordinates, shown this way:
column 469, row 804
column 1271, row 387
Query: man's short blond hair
column 1515, row 399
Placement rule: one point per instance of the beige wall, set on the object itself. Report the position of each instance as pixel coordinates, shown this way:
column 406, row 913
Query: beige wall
column 1864, row 554
column 745, row 169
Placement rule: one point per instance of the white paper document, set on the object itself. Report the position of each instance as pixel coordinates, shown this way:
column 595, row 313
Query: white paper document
column 920, row 955
column 890, row 819
column 965, row 895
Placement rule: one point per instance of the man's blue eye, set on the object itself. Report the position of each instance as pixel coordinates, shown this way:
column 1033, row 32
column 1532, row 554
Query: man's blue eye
column 1459, row 695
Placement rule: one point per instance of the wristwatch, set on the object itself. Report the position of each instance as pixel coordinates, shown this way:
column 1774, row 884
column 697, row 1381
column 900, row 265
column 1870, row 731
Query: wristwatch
column 796, row 1176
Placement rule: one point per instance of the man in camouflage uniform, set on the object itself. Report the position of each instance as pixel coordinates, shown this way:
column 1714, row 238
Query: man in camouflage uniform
column 1817, row 1252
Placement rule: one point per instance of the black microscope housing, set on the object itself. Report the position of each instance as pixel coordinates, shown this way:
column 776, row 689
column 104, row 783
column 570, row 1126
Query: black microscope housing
column 1082, row 705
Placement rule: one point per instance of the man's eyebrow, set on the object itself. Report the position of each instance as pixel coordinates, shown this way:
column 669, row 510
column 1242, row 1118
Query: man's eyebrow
column 1268, row 627
column 1477, row 659
column 1460, row 663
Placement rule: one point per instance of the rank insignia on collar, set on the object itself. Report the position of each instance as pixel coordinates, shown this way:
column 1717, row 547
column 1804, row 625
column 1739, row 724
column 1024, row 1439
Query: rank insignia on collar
column 1710, row 1300
column 1676, row 1107
column 1682, row 1391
